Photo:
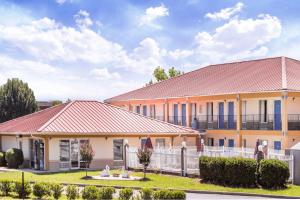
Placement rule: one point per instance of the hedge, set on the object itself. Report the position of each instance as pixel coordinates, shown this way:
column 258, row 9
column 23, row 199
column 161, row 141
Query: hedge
column 274, row 174
column 2, row 159
column 169, row 194
column 14, row 158
column 228, row 171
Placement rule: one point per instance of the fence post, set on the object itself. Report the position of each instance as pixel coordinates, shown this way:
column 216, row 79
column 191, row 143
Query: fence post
column 126, row 154
column 183, row 160
column 23, row 196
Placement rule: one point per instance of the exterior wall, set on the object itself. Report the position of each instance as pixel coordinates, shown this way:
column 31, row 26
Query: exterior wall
column 103, row 149
column 270, row 136
column 13, row 142
column 293, row 105
column 222, row 134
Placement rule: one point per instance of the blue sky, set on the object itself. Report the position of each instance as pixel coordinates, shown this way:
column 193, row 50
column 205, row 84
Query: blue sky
column 95, row 49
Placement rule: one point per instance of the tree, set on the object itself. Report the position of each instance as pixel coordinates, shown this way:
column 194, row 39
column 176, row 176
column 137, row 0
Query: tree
column 160, row 74
column 173, row 72
column 87, row 155
column 144, row 156
column 16, row 100
column 56, row 102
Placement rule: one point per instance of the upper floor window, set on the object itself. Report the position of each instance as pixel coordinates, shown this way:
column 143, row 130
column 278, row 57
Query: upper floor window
column 160, row 143
column 210, row 111
column 145, row 110
column 152, row 111
column 138, row 109
column 263, row 110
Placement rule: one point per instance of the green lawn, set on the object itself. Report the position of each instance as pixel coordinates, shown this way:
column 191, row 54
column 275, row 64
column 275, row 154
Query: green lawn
column 156, row 181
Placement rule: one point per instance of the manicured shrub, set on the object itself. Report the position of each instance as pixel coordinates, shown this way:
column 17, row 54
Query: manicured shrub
column 72, row 192
column 169, row 194
column 228, row 171
column 90, row 193
column 6, row 187
column 146, row 193
column 18, row 189
column 56, row 190
column 125, row 194
column 41, row 190
column 14, row 158
column 106, row 193
column 273, row 173
column 2, row 159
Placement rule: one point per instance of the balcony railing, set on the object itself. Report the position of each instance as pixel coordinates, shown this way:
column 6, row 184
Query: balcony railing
column 226, row 122
column 294, row 122
column 261, row 122
column 178, row 120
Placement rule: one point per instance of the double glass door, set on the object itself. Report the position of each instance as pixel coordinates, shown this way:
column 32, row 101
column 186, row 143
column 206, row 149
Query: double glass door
column 69, row 154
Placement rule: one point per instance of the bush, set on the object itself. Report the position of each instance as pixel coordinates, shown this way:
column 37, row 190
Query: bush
column 2, row 159
column 72, row 192
column 169, row 194
column 106, row 193
column 273, row 174
column 18, row 189
column 14, row 158
column 146, row 193
column 125, row 194
column 6, row 187
column 228, row 171
column 41, row 189
column 90, row 192
column 56, row 190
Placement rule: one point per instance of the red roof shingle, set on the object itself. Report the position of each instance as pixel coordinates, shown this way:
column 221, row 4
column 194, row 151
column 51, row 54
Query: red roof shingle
column 264, row 75
column 88, row 117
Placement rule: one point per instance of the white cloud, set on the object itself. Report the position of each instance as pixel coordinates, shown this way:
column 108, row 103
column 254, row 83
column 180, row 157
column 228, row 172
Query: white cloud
column 226, row 13
column 104, row 74
column 180, row 54
column 61, row 1
column 152, row 14
column 238, row 38
column 82, row 19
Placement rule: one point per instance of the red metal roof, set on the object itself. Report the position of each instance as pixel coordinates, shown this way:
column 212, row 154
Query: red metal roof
column 88, row 117
column 262, row 75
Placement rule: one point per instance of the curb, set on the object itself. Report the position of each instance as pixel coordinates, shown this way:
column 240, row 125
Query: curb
column 194, row 191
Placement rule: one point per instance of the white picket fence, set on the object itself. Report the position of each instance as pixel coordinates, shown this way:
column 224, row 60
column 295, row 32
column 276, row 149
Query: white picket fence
column 170, row 159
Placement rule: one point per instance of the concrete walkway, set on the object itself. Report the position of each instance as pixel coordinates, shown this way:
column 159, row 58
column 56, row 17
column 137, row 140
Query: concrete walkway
column 196, row 196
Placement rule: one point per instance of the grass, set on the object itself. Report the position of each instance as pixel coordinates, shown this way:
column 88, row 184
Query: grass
column 155, row 181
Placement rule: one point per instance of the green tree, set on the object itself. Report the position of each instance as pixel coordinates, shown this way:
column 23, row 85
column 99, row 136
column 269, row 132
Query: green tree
column 160, row 74
column 56, row 102
column 87, row 155
column 173, row 72
column 16, row 99
column 144, row 156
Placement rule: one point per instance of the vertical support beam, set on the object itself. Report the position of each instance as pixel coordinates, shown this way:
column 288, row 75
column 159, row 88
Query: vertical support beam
column 166, row 112
column 284, row 118
column 188, row 112
column 183, row 161
column 126, row 146
column 46, row 152
column 239, row 120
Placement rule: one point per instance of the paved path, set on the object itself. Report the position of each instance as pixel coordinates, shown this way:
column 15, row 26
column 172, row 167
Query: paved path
column 195, row 196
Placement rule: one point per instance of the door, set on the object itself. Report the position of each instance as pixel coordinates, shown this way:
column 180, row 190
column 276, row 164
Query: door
column 277, row 145
column 175, row 113
column 221, row 115
column 230, row 115
column 230, row 143
column 74, row 153
column 183, row 114
column 221, row 142
column 145, row 110
column 277, row 115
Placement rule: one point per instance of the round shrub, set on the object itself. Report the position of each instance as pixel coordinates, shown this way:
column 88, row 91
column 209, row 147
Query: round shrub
column 56, row 190
column 146, row 193
column 6, row 187
column 18, row 189
column 2, row 159
column 72, row 192
column 106, row 193
column 41, row 189
column 179, row 195
column 273, row 174
column 90, row 192
column 161, row 194
column 125, row 194
column 14, row 158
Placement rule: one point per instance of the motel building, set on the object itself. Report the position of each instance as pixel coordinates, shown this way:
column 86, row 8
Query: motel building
column 50, row 139
column 232, row 104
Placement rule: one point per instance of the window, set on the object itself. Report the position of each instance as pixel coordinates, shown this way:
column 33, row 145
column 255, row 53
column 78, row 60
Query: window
column 231, row 143
column 145, row 110
column 64, row 150
column 143, row 142
column 263, row 110
column 210, row 141
column 277, row 145
column 210, row 111
column 138, row 109
column 160, row 143
column 118, row 149
column 221, row 142
column 152, row 111
column 244, row 143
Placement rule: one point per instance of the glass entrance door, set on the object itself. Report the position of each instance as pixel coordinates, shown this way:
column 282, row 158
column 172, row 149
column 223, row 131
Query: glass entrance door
column 74, row 153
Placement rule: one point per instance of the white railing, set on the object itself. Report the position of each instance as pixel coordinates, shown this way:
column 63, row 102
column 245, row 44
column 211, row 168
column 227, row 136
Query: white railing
column 170, row 159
